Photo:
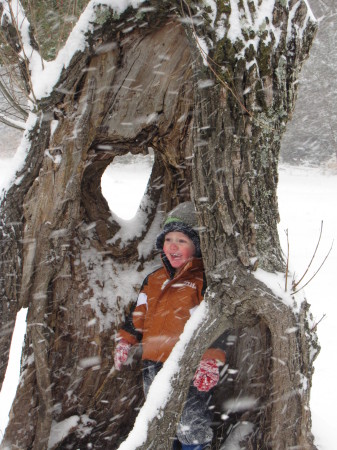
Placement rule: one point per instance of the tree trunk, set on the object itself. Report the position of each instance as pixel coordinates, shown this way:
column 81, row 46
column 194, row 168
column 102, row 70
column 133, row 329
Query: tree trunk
column 216, row 131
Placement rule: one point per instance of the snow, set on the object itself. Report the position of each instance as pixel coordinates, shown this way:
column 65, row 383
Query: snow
column 124, row 206
column 203, row 48
column 244, row 19
column 59, row 430
column 44, row 80
column 11, row 380
column 146, row 245
column 13, row 9
column 234, row 32
column 238, row 433
column 117, row 281
column 126, row 180
column 45, row 74
column 130, row 228
column 276, row 282
column 239, row 404
column 11, row 164
column 306, row 197
column 241, row 18
column 212, row 5
column 161, row 386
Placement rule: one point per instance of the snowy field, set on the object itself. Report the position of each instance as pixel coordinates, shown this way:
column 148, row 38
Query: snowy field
column 306, row 196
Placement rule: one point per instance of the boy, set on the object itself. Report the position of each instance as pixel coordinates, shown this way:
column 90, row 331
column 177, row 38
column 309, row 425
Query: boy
column 166, row 301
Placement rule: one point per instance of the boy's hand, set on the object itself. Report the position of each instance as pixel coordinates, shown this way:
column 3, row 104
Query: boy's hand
column 121, row 353
column 206, row 375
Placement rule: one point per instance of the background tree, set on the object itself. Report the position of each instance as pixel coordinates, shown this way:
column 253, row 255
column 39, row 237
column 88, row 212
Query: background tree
column 209, row 87
column 308, row 140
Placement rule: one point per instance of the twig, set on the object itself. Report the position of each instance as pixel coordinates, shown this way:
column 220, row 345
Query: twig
column 326, row 257
column 25, row 58
column 13, row 78
column 10, row 123
column 11, row 100
column 312, row 258
column 317, row 323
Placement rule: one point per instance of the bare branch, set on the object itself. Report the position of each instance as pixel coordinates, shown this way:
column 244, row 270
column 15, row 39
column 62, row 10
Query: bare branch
column 306, row 284
column 25, row 58
column 13, row 103
column 312, row 258
column 11, row 123
column 317, row 323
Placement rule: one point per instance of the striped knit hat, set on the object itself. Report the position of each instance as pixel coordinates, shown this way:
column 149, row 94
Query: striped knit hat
column 182, row 218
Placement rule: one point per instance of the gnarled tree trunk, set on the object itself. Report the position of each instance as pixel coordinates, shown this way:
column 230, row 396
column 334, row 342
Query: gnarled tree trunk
column 215, row 128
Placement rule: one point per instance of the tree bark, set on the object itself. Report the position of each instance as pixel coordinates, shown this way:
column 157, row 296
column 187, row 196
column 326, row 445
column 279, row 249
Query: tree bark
column 216, row 131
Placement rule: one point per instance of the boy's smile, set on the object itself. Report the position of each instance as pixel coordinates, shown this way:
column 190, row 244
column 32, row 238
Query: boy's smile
column 178, row 248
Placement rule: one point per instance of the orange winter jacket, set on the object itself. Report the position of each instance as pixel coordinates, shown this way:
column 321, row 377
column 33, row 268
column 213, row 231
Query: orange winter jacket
column 163, row 307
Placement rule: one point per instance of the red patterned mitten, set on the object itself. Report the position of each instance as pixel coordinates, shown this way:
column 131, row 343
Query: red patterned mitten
column 206, row 375
column 121, row 353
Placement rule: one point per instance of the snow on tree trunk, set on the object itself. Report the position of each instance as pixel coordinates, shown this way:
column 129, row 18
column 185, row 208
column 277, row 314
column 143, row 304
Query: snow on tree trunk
column 137, row 79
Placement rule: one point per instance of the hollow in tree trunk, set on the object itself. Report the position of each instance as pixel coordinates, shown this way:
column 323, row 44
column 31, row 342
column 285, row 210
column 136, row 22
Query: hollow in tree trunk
column 214, row 119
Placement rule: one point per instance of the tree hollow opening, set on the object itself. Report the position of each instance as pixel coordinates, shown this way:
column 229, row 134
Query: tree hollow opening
column 124, row 183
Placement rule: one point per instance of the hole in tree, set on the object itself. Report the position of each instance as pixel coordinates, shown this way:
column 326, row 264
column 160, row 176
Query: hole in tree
column 124, row 183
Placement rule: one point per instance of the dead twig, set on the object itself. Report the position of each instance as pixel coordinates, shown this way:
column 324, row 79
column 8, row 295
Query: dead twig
column 24, row 59
column 295, row 284
column 317, row 323
column 306, row 284
column 312, row 258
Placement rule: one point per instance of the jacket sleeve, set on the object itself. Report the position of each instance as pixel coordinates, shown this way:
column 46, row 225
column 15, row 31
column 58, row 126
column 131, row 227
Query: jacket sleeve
column 132, row 329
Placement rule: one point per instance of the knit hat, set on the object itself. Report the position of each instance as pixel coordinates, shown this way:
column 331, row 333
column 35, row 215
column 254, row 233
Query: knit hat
column 182, row 218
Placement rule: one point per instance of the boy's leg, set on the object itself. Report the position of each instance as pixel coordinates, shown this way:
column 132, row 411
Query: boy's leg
column 194, row 429
column 195, row 421
column 150, row 370
column 176, row 445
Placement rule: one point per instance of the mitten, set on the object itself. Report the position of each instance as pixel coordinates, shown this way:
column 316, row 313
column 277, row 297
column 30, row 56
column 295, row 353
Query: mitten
column 121, row 353
column 206, row 375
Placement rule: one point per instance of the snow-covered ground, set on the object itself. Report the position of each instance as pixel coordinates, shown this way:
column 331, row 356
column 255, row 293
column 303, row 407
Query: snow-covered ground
column 307, row 196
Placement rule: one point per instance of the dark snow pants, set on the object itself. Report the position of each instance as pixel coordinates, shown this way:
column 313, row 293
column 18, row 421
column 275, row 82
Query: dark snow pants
column 195, row 422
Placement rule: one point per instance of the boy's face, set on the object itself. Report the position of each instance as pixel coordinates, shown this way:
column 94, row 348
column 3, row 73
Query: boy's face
column 178, row 248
